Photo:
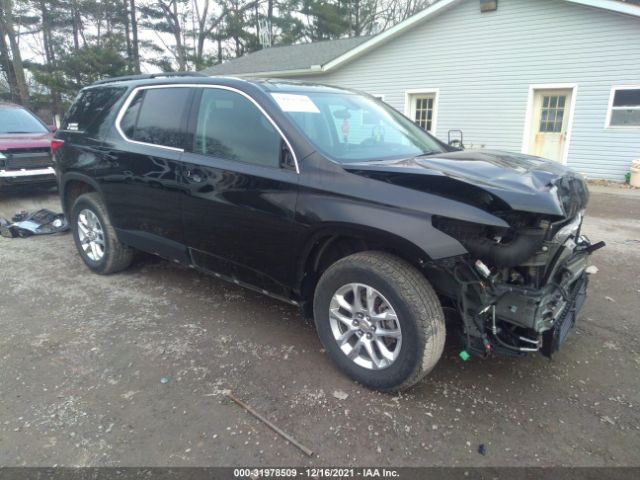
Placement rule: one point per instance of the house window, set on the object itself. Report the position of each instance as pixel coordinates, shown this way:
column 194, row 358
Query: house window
column 423, row 112
column 421, row 106
column 624, row 107
column 552, row 113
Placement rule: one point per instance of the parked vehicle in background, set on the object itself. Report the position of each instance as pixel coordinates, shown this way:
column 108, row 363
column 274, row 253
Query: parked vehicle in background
column 25, row 147
column 331, row 200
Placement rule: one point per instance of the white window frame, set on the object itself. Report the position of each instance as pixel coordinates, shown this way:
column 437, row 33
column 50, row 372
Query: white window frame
column 412, row 93
column 528, row 120
column 607, row 123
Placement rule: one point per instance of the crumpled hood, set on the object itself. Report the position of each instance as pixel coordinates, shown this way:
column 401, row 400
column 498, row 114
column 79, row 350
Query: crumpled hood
column 523, row 182
column 25, row 140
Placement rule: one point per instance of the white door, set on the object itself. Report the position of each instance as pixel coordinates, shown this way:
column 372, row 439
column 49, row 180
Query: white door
column 551, row 113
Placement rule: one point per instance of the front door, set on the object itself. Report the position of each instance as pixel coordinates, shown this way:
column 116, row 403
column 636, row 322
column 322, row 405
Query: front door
column 551, row 112
column 240, row 200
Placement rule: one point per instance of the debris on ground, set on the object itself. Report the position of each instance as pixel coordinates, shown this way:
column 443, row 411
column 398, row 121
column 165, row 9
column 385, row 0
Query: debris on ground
column 340, row 395
column 482, row 449
column 610, row 299
column 41, row 222
column 606, row 419
column 280, row 432
column 164, row 380
column 591, row 270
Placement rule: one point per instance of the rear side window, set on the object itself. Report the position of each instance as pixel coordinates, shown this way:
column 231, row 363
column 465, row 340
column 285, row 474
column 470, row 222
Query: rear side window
column 90, row 108
column 156, row 116
column 230, row 126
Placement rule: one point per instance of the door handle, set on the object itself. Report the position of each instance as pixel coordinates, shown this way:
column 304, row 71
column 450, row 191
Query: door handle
column 193, row 176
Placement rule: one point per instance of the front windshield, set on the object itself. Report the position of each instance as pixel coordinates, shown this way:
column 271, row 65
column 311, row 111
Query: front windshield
column 351, row 128
column 17, row 120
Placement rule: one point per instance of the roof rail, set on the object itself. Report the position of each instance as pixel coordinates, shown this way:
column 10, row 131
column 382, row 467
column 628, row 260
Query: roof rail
column 146, row 76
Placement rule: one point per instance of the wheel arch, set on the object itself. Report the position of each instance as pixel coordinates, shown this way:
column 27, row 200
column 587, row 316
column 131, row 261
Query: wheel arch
column 72, row 186
column 333, row 242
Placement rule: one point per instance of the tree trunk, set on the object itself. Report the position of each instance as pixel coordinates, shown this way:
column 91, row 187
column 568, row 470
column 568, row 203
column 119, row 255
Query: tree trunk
column 76, row 26
column 170, row 10
column 50, row 57
column 127, row 32
column 134, row 37
column 16, row 57
column 257, row 14
column 177, row 33
column 7, row 65
column 270, row 20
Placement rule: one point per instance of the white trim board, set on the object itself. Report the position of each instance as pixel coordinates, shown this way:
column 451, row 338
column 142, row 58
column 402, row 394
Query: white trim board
column 526, row 134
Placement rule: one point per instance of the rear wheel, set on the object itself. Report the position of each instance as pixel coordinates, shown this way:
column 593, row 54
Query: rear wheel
column 95, row 237
column 379, row 319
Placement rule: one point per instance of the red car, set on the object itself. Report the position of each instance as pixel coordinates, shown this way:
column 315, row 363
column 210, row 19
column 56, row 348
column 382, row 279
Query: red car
column 25, row 147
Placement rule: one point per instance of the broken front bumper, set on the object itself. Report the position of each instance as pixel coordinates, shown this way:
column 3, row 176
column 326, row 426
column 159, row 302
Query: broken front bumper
column 519, row 319
column 540, row 309
column 553, row 338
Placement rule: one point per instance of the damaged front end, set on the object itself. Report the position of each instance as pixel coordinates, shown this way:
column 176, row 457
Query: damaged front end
column 519, row 289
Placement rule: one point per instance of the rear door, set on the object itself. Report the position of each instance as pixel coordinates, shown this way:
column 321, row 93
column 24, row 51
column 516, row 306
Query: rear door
column 140, row 176
column 242, row 188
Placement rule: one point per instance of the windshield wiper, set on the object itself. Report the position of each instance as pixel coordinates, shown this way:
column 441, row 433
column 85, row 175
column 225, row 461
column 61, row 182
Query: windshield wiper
column 18, row 132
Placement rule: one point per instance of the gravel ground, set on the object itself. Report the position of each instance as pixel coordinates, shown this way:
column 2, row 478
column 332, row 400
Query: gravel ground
column 82, row 358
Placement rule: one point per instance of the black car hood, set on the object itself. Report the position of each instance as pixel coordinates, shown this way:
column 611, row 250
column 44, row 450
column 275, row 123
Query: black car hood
column 516, row 181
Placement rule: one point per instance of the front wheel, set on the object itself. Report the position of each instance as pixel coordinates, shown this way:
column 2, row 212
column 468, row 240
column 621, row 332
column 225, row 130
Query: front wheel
column 380, row 320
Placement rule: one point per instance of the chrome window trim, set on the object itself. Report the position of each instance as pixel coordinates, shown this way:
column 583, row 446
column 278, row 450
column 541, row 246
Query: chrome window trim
column 135, row 91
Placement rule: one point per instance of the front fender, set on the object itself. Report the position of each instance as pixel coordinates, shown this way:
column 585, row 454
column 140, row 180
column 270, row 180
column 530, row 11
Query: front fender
column 343, row 216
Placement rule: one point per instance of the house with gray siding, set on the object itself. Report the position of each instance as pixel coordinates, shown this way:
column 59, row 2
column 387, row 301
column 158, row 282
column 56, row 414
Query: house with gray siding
column 554, row 78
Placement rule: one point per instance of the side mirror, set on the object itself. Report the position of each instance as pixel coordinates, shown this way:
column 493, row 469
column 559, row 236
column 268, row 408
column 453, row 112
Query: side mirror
column 52, row 128
column 286, row 157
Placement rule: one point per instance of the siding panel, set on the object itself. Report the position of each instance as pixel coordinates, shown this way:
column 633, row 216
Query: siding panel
column 483, row 65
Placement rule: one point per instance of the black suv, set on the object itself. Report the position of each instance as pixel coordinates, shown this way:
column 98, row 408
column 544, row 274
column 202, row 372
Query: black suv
column 329, row 199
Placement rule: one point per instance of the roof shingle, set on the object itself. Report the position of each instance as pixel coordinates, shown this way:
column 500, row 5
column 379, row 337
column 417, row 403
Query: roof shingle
column 292, row 57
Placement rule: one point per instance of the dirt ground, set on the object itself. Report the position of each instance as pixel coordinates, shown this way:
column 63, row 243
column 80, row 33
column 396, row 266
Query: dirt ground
column 82, row 358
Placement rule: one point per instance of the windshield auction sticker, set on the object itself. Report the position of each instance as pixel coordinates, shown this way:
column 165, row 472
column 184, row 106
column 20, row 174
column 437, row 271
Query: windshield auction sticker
column 290, row 102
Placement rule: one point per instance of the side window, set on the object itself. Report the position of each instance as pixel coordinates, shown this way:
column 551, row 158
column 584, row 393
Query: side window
column 230, row 126
column 128, row 122
column 156, row 116
column 624, row 110
column 90, row 107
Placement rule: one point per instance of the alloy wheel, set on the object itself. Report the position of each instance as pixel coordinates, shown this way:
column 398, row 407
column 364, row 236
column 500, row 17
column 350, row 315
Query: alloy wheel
column 91, row 235
column 365, row 326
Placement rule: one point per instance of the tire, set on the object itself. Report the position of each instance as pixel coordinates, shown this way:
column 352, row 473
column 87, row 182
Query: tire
column 412, row 302
column 115, row 256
